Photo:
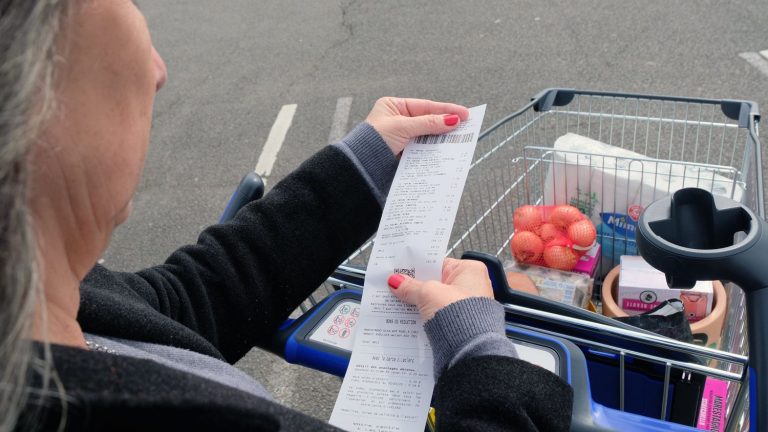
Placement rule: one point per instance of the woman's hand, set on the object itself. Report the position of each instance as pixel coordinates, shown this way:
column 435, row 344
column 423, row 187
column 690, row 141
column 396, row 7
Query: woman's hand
column 461, row 279
column 398, row 120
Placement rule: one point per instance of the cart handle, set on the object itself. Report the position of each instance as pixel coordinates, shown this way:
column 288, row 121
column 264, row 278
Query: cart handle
column 251, row 188
column 745, row 112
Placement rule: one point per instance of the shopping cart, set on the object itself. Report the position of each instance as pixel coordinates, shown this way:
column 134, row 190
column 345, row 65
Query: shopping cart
column 632, row 377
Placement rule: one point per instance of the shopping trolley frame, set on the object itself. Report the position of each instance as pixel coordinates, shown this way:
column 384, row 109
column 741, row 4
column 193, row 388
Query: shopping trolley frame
column 531, row 132
column 718, row 134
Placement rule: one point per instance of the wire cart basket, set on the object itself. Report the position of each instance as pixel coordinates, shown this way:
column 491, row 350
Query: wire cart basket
column 672, row 143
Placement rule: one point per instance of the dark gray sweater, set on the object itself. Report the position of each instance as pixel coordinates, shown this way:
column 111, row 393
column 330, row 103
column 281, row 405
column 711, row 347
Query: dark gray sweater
column 249, row 274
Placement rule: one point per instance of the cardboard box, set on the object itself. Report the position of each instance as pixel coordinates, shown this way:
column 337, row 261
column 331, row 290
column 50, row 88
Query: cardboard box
column 642, row 288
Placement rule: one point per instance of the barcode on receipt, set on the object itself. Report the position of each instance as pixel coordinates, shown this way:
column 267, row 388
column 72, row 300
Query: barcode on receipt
column 411, row 272
column 448, row 138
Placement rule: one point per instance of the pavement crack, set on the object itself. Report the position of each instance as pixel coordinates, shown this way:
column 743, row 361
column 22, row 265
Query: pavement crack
column 346, row 25
column 349, row 33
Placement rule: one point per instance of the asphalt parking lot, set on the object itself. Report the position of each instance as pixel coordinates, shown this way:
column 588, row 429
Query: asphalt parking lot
column 235, row 64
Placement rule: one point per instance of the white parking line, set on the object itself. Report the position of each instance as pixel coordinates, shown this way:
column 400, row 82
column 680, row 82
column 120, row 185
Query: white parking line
column 756, row 60
column 340, row 118
column 275, row 140
column 764, row 53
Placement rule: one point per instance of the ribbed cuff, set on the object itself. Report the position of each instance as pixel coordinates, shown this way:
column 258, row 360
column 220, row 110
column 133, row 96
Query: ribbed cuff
column 372, row 156
column 457, row 325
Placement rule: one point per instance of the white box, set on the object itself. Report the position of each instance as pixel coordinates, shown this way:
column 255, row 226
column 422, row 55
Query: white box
column 642, row 288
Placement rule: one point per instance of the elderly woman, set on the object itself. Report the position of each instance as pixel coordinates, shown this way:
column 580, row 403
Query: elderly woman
column 85, row 348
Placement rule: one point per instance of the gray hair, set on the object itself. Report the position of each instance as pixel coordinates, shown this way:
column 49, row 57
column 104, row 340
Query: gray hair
column 29, row 30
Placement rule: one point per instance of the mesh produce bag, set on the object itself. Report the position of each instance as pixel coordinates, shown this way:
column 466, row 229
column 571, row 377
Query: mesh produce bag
column 551, row 236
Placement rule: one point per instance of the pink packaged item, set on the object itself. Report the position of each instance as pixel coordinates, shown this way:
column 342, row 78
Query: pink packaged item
column 695, row 305
column 588, row 262
column 714, row 401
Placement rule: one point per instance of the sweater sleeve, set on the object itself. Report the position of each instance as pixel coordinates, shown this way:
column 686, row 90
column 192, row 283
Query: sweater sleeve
column 499, row 393
column 481, row 384
column 467, row 328
column 239, row 282
column 373, row 158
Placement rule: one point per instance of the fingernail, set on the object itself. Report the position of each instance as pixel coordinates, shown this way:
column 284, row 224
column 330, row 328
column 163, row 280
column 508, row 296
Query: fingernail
column 395, row 280
column 451, row 119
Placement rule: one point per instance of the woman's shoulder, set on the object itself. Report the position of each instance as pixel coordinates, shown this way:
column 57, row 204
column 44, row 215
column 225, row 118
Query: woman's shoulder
column 102, row 391
column 125, row 305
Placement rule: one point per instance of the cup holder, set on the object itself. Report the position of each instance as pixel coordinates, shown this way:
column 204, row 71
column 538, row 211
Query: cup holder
column 694, row 235
column 695, row 222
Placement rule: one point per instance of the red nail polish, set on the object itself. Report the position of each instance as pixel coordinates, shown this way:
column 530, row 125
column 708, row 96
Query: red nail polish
column 395, row 280
column 451, row 119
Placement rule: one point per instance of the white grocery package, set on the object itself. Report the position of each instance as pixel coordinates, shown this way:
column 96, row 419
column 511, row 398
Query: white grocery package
column 612, row 186
column 642, row 288
column 569, row 288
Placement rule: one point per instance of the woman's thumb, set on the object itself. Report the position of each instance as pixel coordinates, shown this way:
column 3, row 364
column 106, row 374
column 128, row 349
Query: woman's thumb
column 405, row 288
column 432, row 124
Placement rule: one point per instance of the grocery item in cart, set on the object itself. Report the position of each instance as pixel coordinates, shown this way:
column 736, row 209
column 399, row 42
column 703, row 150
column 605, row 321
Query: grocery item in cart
column 642, row 288
column 561, row 286
column 519, row 281
column 713, row 405
column 552, row 236
column 667, row 319
column 707, row 332
column 589, row 262
column 612, row 185
column 527, row 247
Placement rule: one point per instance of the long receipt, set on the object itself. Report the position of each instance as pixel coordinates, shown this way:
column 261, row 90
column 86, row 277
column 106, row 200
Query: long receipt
column 389, row 381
